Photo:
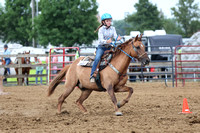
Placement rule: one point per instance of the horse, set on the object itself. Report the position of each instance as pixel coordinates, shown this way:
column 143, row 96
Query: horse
column 78, row 76
column 25, row 70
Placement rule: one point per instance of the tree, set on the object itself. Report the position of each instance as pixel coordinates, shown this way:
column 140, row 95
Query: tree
column 1, row 21
column 187, row 14
column 147, row 17
column 16, row 21
column 66, row 22
column 121, row 27
column 171, row 26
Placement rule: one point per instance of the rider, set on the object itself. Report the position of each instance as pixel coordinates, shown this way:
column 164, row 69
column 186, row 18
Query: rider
column 7, row 59
column 105, row 35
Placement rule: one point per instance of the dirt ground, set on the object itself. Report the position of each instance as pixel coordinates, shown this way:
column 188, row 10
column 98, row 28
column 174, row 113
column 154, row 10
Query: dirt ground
column 152, row 108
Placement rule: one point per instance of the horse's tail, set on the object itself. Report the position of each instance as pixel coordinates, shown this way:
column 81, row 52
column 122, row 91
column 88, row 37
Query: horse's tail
column 57, row 80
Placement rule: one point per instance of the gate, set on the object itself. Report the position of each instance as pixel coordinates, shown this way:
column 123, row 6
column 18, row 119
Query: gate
column 59, row 58
column 160, row 68
column 187, row 68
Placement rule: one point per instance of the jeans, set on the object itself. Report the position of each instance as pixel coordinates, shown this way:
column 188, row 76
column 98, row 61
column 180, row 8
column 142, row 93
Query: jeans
column 36, row 79
column 100, row 51
column 8, row 60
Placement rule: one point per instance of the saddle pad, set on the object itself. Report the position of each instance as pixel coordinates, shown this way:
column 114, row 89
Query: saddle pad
column 89, row 61
column 86, row 61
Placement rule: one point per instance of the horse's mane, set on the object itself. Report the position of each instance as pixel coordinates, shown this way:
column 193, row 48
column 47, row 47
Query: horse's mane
column 121, row 46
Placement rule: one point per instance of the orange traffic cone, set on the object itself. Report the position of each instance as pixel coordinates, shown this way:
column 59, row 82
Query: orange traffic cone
column 185, row 109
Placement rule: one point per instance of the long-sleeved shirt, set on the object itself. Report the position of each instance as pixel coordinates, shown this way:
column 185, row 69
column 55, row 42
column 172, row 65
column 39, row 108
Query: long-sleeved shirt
column 6, row 52
column 105, row 34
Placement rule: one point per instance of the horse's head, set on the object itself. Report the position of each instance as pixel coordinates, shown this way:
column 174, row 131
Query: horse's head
column 25, row 52
column 139, row 51
column 27, row 59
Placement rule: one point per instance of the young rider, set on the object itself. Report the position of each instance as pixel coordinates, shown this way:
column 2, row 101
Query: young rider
column 105, row 35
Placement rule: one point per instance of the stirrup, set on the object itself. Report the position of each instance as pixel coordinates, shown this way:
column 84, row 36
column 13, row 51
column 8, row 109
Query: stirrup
column 92, row 79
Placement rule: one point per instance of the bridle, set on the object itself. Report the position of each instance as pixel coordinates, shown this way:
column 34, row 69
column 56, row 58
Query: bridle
column 27, row 60
column 136, row 50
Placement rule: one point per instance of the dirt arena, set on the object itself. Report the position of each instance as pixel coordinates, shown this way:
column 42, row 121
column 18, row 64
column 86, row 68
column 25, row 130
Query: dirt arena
column 152, row 108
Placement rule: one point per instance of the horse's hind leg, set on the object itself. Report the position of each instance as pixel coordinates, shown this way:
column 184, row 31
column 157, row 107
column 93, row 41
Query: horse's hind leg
column 84, row 95
column 124, row 89
column 62, row 98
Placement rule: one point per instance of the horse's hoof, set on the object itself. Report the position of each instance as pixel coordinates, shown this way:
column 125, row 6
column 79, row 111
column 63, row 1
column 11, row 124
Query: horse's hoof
column 118, row 113
column 85, row 113
column 118, row 105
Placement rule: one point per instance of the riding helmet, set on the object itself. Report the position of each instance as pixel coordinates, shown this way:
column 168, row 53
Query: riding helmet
column 106, row 16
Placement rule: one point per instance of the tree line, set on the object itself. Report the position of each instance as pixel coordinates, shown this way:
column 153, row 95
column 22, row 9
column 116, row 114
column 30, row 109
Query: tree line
column 147, row 17
column 73, row 22
column 66, row 22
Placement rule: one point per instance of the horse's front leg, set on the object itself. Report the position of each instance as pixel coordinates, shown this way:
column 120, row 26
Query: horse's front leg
column 120, row 87
column 110, row 91
column 124, row 89
column 27, row 77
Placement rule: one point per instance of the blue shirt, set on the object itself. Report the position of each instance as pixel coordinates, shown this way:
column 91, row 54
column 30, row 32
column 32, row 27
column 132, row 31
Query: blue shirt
column 38, row 68
column 105, row 34
column 6, row 52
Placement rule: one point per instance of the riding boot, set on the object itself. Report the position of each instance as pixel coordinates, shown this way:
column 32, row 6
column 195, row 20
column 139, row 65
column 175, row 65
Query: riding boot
column 92, row 79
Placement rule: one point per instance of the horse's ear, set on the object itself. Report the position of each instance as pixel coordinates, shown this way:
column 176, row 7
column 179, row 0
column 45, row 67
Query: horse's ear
column 141, row 36
column 136, row 38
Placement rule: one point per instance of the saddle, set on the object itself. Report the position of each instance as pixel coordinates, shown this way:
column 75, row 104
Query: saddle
column 88, row 61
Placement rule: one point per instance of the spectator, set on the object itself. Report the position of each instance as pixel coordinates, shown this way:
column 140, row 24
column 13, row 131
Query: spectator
column 39, row 70
column 7, row 59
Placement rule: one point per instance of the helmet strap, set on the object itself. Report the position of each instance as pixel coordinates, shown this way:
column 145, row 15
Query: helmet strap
column 104, row 23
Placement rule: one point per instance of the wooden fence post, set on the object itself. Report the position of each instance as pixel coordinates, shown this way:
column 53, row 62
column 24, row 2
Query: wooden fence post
column 19, row 69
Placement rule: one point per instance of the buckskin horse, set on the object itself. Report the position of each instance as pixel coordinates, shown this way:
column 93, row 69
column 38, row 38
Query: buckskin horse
column 25, row 70
column 79, row 76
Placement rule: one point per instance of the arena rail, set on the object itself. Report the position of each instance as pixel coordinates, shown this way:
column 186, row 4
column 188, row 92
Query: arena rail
column 181, row 66
column 20, row 66
column 158, row 69
column 60, row 56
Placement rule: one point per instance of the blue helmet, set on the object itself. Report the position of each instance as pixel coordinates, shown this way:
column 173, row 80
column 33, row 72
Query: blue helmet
column 106, row 16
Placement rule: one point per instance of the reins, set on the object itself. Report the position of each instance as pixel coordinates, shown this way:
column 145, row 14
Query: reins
column 114, row 44
column 132, row 58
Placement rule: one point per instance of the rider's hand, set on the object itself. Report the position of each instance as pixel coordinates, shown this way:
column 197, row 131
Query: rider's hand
column 119, row 38
column 109, row 41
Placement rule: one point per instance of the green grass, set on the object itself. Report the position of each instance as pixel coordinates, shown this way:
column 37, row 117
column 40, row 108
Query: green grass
column 32, row 71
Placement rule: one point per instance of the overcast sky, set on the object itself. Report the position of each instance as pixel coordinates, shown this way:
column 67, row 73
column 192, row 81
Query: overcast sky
column 117, row 8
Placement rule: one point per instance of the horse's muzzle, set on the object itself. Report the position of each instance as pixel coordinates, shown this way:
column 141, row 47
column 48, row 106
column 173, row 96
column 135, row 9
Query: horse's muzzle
column 145, row 61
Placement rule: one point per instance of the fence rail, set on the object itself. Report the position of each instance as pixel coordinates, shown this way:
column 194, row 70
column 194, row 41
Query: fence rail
column 19, row 66
column 180, row 64
column 166, row 75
